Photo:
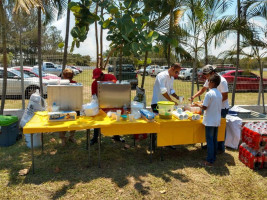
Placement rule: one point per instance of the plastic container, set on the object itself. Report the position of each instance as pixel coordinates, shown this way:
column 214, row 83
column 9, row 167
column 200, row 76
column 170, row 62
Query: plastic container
column 9, row 130
column 165, row 109
column 37, row 142
column 124, row 117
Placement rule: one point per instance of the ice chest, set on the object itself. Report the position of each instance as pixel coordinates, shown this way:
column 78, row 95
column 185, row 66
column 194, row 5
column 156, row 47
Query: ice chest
column 9, row 130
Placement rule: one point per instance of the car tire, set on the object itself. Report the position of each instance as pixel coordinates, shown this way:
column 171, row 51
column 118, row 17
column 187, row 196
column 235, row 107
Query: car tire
column 187, row 78
column 146, row 73
column 30, row 90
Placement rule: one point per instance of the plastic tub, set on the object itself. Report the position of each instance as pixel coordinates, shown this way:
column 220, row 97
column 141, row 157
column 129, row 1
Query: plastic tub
column 37, row 142
column 165, row 109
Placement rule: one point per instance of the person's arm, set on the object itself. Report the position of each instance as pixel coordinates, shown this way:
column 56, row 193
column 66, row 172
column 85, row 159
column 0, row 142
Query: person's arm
column 94, row 88
column 175, row 96
column 163, row 90
column 206, row 102
column 224, row 96
column 200, row 92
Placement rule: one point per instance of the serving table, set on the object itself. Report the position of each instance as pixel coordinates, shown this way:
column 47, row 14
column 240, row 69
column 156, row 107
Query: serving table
column 169, row 132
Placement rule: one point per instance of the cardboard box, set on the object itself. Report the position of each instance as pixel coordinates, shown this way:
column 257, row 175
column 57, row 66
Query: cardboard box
column 62, row 116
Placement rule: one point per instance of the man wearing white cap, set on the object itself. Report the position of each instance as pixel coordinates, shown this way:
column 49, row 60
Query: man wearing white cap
column 208, row 70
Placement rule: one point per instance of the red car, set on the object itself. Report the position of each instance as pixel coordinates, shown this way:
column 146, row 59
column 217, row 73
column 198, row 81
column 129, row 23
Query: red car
column 32, row 73
column 246, row 81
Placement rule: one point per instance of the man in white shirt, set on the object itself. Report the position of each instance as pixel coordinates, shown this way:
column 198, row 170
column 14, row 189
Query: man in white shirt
column 162, row 90
column 163, row 87
column 208, row 70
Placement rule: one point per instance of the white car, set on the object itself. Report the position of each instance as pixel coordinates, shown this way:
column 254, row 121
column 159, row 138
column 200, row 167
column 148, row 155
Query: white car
column 75, row 71
column 141, row 71
column 185, row 74
column 14, row 83
column 156, row 71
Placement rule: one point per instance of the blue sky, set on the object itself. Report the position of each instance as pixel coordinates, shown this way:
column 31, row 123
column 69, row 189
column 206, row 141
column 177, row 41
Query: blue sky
column 88, row 47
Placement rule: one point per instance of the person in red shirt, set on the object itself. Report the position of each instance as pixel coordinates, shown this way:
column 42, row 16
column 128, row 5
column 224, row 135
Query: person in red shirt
column 67, row 74
column 98, row 75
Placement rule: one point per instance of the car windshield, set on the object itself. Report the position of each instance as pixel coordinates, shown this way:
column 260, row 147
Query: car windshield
column 18, row 73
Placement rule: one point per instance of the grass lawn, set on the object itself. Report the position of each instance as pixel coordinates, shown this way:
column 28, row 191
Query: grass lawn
column 63, row 173
column 182, row 88
column 126, row 173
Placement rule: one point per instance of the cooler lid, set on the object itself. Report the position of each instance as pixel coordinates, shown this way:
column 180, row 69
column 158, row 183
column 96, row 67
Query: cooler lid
column 7, row 120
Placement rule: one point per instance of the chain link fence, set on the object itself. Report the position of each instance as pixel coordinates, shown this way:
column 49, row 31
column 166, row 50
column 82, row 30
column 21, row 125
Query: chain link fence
column 247, row 88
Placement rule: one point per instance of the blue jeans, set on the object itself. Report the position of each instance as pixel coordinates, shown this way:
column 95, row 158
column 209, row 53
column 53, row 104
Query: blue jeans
column 211, row 138
column 221, row 146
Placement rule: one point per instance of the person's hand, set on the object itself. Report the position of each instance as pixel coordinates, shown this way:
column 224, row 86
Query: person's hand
column 191, row 99
column 176, row 104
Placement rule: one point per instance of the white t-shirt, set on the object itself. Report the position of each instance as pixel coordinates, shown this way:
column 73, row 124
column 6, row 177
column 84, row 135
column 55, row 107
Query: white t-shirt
column 163, row 84
column 223, row 87
column 213, row 102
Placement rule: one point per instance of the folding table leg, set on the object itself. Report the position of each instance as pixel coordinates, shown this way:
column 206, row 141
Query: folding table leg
column 32, row 153
column 150, row 147
column 42, row 138
column 87, row 138
column 99, row 146
column 88, row 147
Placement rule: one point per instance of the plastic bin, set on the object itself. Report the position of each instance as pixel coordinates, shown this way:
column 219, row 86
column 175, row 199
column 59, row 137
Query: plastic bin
column 37, row 142
column 9, row 130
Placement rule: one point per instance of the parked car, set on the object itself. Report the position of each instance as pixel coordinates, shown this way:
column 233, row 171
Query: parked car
column 49, row 67
column 77, row 68
column 246, row 81
column 35, row 73
column 185, row 74
column 14, row 83
column 128, row 73
column 110, row 68
column 141, row 71
column 151, row 68
column 156, row 71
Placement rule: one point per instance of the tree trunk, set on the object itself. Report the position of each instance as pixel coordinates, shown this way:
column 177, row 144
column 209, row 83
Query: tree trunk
column 120, row 65
column 21, row 70
column 193, row 74
column 3, row 26
column 101, row 41
column 66, row 40
column 40, row 63
column 144, row 74
column 238, row 52
column 261, row 84
column 96, row 38
column 206, row 53
column 170, row 36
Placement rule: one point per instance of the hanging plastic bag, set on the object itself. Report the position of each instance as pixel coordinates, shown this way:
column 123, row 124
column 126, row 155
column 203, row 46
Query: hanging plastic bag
column 36, row 103
column 92, row 108
column 140, row 96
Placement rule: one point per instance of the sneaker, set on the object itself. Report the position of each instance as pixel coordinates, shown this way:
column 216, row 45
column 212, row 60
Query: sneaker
column 93, row 141
column 118, row 138
column 172, row 147
column 207, row 164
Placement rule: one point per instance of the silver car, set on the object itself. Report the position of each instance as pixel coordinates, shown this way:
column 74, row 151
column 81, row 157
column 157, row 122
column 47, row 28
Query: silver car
column 14, row 83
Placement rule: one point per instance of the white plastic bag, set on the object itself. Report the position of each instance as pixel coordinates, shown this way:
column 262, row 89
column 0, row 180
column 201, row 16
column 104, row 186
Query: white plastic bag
column 92, row 108
column 34, row 105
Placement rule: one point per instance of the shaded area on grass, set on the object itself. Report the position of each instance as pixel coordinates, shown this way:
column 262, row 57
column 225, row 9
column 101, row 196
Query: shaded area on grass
column 67, row 167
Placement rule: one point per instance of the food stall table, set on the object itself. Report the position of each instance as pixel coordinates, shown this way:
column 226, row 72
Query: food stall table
column 179, row 132
column 40, row 124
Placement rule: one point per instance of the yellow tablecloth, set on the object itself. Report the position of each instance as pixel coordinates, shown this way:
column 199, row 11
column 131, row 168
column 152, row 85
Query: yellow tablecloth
column 39, row 124
column 176, row 132
column 169, row 132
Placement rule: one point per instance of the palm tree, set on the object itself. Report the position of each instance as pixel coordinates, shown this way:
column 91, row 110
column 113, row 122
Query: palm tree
column 66, row 39
column 213, row 9
column 3, row 26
